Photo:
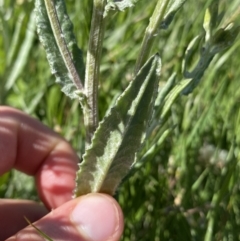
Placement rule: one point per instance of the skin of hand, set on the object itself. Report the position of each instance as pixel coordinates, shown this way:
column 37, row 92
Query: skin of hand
column 32, row 148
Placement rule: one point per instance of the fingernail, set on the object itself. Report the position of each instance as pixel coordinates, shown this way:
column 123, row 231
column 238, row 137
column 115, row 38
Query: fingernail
column 96, row 217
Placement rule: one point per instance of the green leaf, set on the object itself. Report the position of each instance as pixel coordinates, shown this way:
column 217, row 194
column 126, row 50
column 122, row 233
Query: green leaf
column 211, row 19
column 220, row 41
column 172, row 95
column 173, row 7
column 57, row 54
column 224, row 38
column 23, row 53
column 119, row 136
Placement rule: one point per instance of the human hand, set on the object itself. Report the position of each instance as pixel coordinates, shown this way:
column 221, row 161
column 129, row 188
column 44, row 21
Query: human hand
column 28, row 146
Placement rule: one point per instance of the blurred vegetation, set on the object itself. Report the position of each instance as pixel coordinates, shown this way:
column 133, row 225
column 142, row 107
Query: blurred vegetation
column 188, row 187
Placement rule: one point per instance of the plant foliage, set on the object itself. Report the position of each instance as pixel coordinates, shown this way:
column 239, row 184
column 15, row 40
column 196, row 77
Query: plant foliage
column 185, row 185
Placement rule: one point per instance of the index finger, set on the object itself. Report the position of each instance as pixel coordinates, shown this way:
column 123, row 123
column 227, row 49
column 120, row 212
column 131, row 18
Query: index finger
column 29, row 146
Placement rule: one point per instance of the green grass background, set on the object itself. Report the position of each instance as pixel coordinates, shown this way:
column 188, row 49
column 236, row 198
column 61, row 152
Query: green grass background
column 188, row 187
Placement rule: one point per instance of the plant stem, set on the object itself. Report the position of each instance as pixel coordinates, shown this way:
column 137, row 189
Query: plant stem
column 92, row 68
column 150, row 33
column 66, row 55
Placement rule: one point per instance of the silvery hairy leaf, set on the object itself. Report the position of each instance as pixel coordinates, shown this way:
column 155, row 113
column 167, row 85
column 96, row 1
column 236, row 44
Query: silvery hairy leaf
column 119, row 136
column 118, row 5
column 54, row 55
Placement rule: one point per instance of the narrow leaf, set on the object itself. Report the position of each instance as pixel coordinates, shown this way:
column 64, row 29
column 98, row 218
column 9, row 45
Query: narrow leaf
column 220, row 41
column 171, row 97
column 16, row 36
column 224, row 38
column 211, row 19
column 41, row 233
column 164, row 92
column 23, row 53
column 173, row 7
column 120, row 134
column 64, row 56
column 153, row 150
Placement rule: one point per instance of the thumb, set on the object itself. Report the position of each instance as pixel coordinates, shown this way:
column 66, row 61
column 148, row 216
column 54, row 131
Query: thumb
column 93, row 217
